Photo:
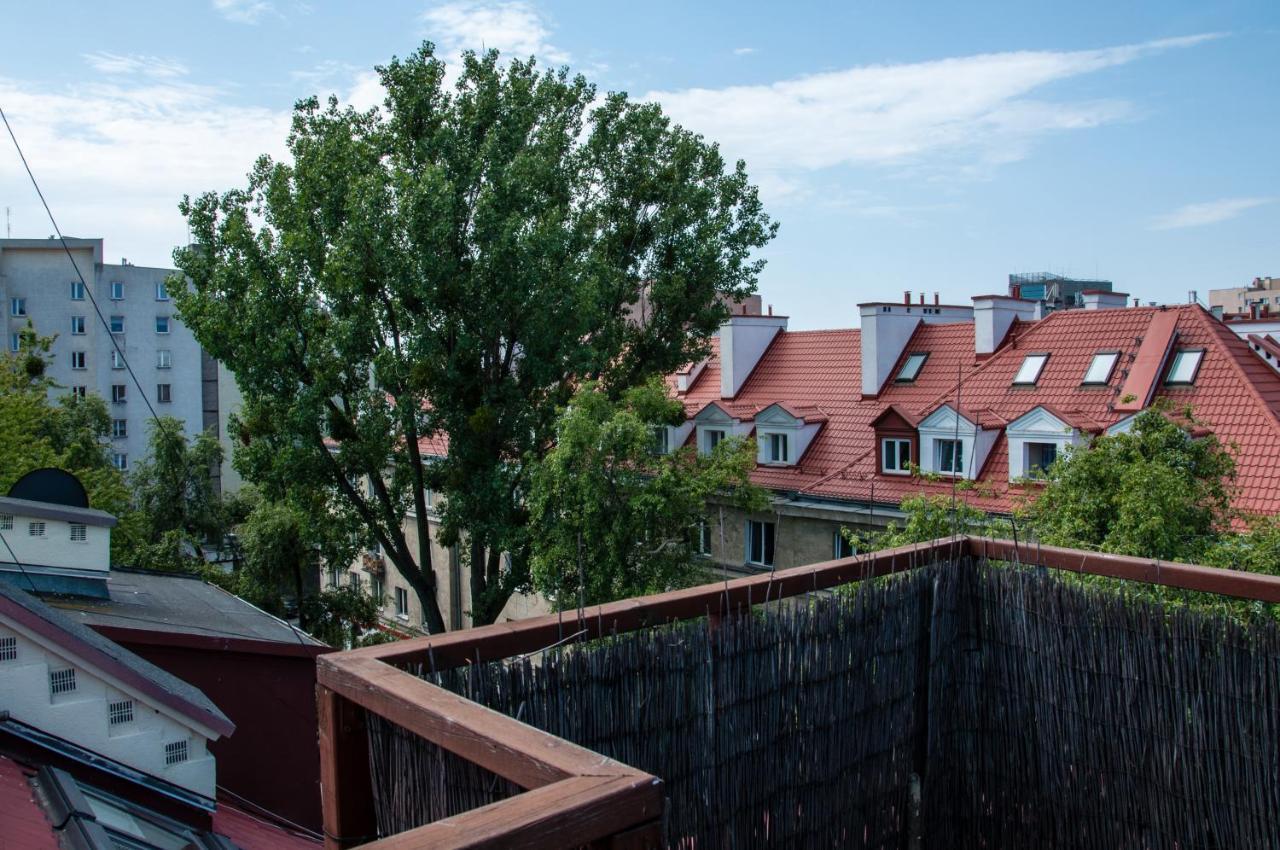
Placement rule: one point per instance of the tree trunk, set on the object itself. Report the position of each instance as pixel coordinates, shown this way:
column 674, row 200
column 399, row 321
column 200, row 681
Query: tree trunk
column 297, row 593
column 423, row 583
column 478, row 584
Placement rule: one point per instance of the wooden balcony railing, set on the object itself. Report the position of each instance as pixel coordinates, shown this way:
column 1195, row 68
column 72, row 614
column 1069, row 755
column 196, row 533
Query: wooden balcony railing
column 572, row 796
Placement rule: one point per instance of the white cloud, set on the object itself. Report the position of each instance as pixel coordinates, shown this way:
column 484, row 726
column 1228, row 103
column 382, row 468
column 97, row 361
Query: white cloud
column 512, row 26
column 243, row 11
column 1210, row 212
column 366, row 91
column 962, row 111
column 743, row 51
column 115, row 158
column 135, row 63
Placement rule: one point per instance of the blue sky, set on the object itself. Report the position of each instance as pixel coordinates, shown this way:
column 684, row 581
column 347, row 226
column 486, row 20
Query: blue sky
column 922, row 146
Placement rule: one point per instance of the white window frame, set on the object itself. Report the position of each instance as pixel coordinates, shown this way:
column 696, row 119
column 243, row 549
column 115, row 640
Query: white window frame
column 79, row 360
column 898, row 443
column 18, row 307
column 122, row 432
column 162, row 291
column 1036, row 471
column 77, row 290
column 166, row 320
column 116, row 321
column 117, row 359
column 708, row 443
column 1195, row 356
column 15, row 341
column 704, row 538
column 957, row 449
column 117, row 290
column 80, row 391
column 119, row 393
column 661, row 440
column 78, row 532
column 402, row 603
column 766, row 530
column 777, row 447
column 37, row 528
column 164, row 393
column 838, row 545
column 120, row 460
column 77, row 325
column 164, row 358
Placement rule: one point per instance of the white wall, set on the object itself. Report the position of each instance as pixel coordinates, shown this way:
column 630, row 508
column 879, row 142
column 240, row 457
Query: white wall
column 886, row 330
column 56, row 548
column 743, row 339
column 1037, row 426
column 82, row 716
column 993, row 315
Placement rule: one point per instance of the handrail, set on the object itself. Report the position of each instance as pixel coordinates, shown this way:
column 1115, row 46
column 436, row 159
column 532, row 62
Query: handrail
column 574, row 796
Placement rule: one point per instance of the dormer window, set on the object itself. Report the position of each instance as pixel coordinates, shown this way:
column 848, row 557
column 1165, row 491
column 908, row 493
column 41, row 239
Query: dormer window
column 895, row 454
column 661, row 440
column 1101, row 367
column 711, row 437
column 1184, row 366
column 949, row 456
column 777, row 448
column 1030, row 370
column 911, row 368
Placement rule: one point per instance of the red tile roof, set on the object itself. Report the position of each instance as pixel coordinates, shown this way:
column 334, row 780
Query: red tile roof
column 252, row 833
column 23, row 825
column 1235, row 395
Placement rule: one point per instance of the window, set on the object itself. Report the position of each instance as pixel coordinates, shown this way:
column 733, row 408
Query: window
column 896, row 454
column 120, row 712
column 117, row 290
column 119, row 428
column 15, row 342
column 778, row 448
column 164, row 358
column 911, row 368
column 377, row 590
column 79, row 532
column 841, row 547
column 118, row 393
column 77, row 325
column 162, row 291
column 120, row 461
column 711, row 438
column 162, row 324
column 79, row 391
column 1185, row 365
column 402, row 602
column 333, row 577
column 62, row 681
column 1029, row 372
column 17, row 306
column 117, row 324
column 948, row 456
column 77, row 290
column 1099, row 371
column 703, row 540
column 175, row 752
column 117, row 359
column 6, row 522
column 355, row 581
column 36, row 528
column 1040, row 456
column 661, row 440
column 760, row 538
column 164, row 393
column 429, row 497
column 8, row 648
column 77, row 360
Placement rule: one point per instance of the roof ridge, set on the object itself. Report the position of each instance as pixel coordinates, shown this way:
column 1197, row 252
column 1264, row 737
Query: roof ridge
column 1222, row 332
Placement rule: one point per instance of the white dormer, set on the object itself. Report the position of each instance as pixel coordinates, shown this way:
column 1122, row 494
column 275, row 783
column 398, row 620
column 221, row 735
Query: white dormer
column 1036, row 439
column 782, row 437
column 887, row 328
column 713, row 424
column 952, row 444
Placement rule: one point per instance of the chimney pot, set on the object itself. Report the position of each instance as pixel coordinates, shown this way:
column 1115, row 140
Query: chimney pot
column 906, row 297
column 770, row 309
column 936, row 300
column 922, row 299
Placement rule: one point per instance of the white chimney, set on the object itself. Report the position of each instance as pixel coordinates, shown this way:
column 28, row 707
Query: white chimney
column 993, row 315
column 886, row 330
column 1098, row 300
column 743, row 339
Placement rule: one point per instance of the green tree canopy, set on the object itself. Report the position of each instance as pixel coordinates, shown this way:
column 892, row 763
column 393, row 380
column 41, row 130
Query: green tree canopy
column 457, row 264
column 609, row 510
column 1155, row 491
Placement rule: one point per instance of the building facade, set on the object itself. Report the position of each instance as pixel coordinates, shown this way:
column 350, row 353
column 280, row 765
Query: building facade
column 1263, row 292
column 39, row 284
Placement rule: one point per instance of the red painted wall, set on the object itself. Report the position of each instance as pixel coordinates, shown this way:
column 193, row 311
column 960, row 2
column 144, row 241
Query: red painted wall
column 269, row 692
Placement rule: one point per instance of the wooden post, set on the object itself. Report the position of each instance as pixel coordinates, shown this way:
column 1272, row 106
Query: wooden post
column 346, row 790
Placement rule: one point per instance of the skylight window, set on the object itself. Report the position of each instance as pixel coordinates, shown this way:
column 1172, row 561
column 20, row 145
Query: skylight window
column 1099, row 371
column 1029, row 372
column 911, row 368
column 1185, row 365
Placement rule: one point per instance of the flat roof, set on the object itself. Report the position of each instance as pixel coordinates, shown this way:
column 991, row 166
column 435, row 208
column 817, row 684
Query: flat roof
column 175, row 603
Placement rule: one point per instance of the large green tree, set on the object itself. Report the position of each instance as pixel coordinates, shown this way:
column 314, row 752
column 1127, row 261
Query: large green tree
column 610, row 517
column 455, row 265
column 1156, row 491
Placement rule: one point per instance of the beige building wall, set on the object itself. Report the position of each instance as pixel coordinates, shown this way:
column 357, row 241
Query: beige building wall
column 1237, row 299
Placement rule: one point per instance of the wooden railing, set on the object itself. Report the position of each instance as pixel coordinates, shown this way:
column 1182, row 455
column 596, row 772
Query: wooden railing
column 572, row 796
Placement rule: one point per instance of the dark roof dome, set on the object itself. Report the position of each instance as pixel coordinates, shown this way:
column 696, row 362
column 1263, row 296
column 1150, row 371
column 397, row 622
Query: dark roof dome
column 55, row 486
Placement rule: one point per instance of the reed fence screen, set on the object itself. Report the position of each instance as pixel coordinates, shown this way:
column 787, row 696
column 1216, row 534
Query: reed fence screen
column 1025, row 710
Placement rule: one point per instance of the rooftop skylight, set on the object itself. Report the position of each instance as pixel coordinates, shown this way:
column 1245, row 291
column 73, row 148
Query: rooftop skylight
column 1029, row 372
column 911, row 368
column 1185, row 365
column 1099, row 371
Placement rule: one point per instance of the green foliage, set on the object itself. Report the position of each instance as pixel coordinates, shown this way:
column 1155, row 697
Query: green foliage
column 929, row 517
column 605, row 507
column 277, row 550
column 1153, row 492
column 340, row 616
column 458, row 264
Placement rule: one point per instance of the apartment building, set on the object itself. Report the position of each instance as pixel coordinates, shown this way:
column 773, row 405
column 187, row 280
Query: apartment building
column 1259, row 297
column 39, row 284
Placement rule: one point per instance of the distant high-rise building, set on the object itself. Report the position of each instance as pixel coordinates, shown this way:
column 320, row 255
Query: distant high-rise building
column 1056, row 291
column 40, row 284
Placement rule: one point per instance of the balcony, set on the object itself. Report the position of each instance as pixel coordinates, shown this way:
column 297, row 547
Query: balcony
column 978, row 698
